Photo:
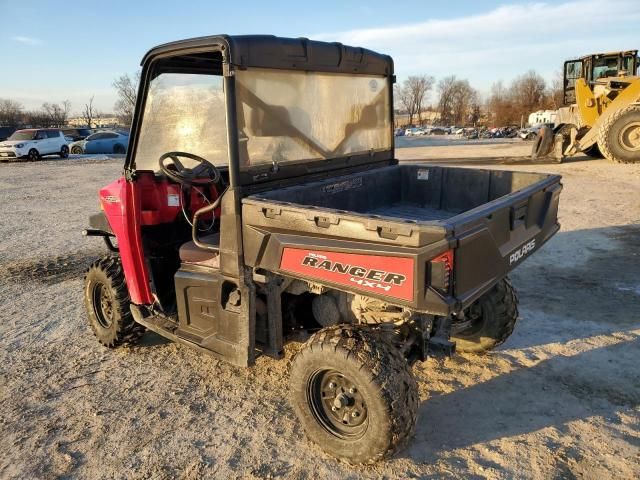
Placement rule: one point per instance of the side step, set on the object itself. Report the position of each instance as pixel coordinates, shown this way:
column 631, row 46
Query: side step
column 166, row 328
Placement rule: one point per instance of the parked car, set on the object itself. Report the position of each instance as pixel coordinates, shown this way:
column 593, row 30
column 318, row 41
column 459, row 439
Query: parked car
column 76, row 134
column 5, row 132
column 101, row 142
column 399, row 132
column 531, row 132
column 35, row 143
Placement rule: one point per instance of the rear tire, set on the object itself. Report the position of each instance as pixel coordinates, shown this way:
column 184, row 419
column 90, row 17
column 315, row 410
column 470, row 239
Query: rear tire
column 106, row 299
column 119, row 149
column 493, row 318
column 64, row 152
column 619, row 136
column 354, row 394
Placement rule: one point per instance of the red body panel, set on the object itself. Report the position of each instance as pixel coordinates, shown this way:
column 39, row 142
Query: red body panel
column 121, row 205
column 389, row 276
column 145, row 201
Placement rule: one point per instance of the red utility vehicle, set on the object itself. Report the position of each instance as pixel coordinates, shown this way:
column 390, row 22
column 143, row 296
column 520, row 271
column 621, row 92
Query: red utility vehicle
column 262, row 202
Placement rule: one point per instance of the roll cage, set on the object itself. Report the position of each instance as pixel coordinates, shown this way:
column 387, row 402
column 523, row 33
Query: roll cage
column 232, row 53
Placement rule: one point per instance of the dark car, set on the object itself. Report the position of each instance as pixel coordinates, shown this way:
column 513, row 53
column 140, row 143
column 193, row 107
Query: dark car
column 6, row 132
column 76, row 133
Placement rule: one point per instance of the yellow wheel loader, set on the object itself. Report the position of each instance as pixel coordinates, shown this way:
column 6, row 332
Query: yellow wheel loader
column 601, row 116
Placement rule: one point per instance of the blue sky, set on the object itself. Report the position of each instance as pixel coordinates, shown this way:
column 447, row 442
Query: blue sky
column 53, row 50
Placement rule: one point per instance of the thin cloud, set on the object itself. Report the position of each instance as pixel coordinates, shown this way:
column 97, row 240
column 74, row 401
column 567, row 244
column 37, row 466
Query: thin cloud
column 27, row 40
column 502, row 42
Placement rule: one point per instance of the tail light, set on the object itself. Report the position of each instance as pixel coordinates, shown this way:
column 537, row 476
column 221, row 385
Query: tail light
column 441, row 272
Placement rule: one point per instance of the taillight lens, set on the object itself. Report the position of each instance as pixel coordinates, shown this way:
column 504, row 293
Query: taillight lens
column 441, row 272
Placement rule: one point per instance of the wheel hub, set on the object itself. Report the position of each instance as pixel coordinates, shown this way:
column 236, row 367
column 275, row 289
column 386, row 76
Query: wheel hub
column 630, row 136
column 337, row 404
column 103, row 305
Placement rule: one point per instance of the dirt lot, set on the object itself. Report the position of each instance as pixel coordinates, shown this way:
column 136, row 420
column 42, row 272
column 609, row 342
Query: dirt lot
column 559, row 400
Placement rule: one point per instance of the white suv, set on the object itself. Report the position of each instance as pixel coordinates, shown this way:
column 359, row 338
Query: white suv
column 34, row 143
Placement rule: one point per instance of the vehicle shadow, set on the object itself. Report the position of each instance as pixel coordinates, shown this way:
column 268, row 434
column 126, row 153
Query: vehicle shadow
column 528, row 399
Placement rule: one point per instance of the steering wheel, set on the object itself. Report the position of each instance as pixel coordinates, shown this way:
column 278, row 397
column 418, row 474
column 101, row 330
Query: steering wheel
column 205, row 173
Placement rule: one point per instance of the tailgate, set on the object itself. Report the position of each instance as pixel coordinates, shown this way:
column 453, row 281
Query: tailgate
column 496, row 237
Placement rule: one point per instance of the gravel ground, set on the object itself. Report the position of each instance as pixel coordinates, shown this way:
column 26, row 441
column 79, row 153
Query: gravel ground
column 560, row 399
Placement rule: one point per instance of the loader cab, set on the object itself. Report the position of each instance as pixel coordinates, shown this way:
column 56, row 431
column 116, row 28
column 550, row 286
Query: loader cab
column 593, row 68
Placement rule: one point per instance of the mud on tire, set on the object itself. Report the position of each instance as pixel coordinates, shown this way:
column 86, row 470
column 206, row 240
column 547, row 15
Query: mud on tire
column 493, row 318
column 106, row 299
column 354, row 369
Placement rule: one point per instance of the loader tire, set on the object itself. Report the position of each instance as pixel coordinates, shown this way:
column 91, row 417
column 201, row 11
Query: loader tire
column 106, row 299
column 619, row 135
column 542, row 144
column 354, row 394
column 493, row 318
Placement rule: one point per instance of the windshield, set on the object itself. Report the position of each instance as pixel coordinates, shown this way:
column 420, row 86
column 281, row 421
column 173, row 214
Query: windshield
column 287, row 116
column 183, row 113
column 23, row 135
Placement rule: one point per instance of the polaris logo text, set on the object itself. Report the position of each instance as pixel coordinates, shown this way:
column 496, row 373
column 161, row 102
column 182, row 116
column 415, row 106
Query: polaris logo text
column 522, row 252
column 358, row 275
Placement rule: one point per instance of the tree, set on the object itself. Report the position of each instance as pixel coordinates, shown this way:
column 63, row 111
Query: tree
column 90, row 113
column 556, row 91
column 457, row 99
column 56, row 113
column 413, row 94
column 11, row 113
column 127, row 91
column 528, row 91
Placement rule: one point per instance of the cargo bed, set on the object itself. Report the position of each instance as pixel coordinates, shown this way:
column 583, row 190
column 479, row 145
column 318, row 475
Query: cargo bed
column 490, row 219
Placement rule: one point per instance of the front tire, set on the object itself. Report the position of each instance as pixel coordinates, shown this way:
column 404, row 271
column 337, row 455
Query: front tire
column 33, row 155
column 106, row 300
column 491, row 320
column 76, row 150
column 354, row 394
column 619, row 136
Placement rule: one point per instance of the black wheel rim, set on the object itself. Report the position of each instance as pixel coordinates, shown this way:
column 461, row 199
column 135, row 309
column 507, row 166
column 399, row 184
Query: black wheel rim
column 33, row 155
column 337, row 404
column 473, row 323
column 103, row 304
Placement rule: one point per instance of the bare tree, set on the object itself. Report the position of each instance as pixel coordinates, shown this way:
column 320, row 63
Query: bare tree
column 413, row 94
column 127, row 91
column 556, row 91
column 90, row 113
column 56, row 113
column 529, row 92
column 457, row 99
column 11, row 112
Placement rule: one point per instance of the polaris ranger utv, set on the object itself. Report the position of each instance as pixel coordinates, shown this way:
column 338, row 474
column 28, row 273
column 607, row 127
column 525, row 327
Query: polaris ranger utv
column 261, row 201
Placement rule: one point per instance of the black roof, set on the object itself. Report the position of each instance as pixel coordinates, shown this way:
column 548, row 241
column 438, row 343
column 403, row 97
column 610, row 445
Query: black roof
column 268, row 51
